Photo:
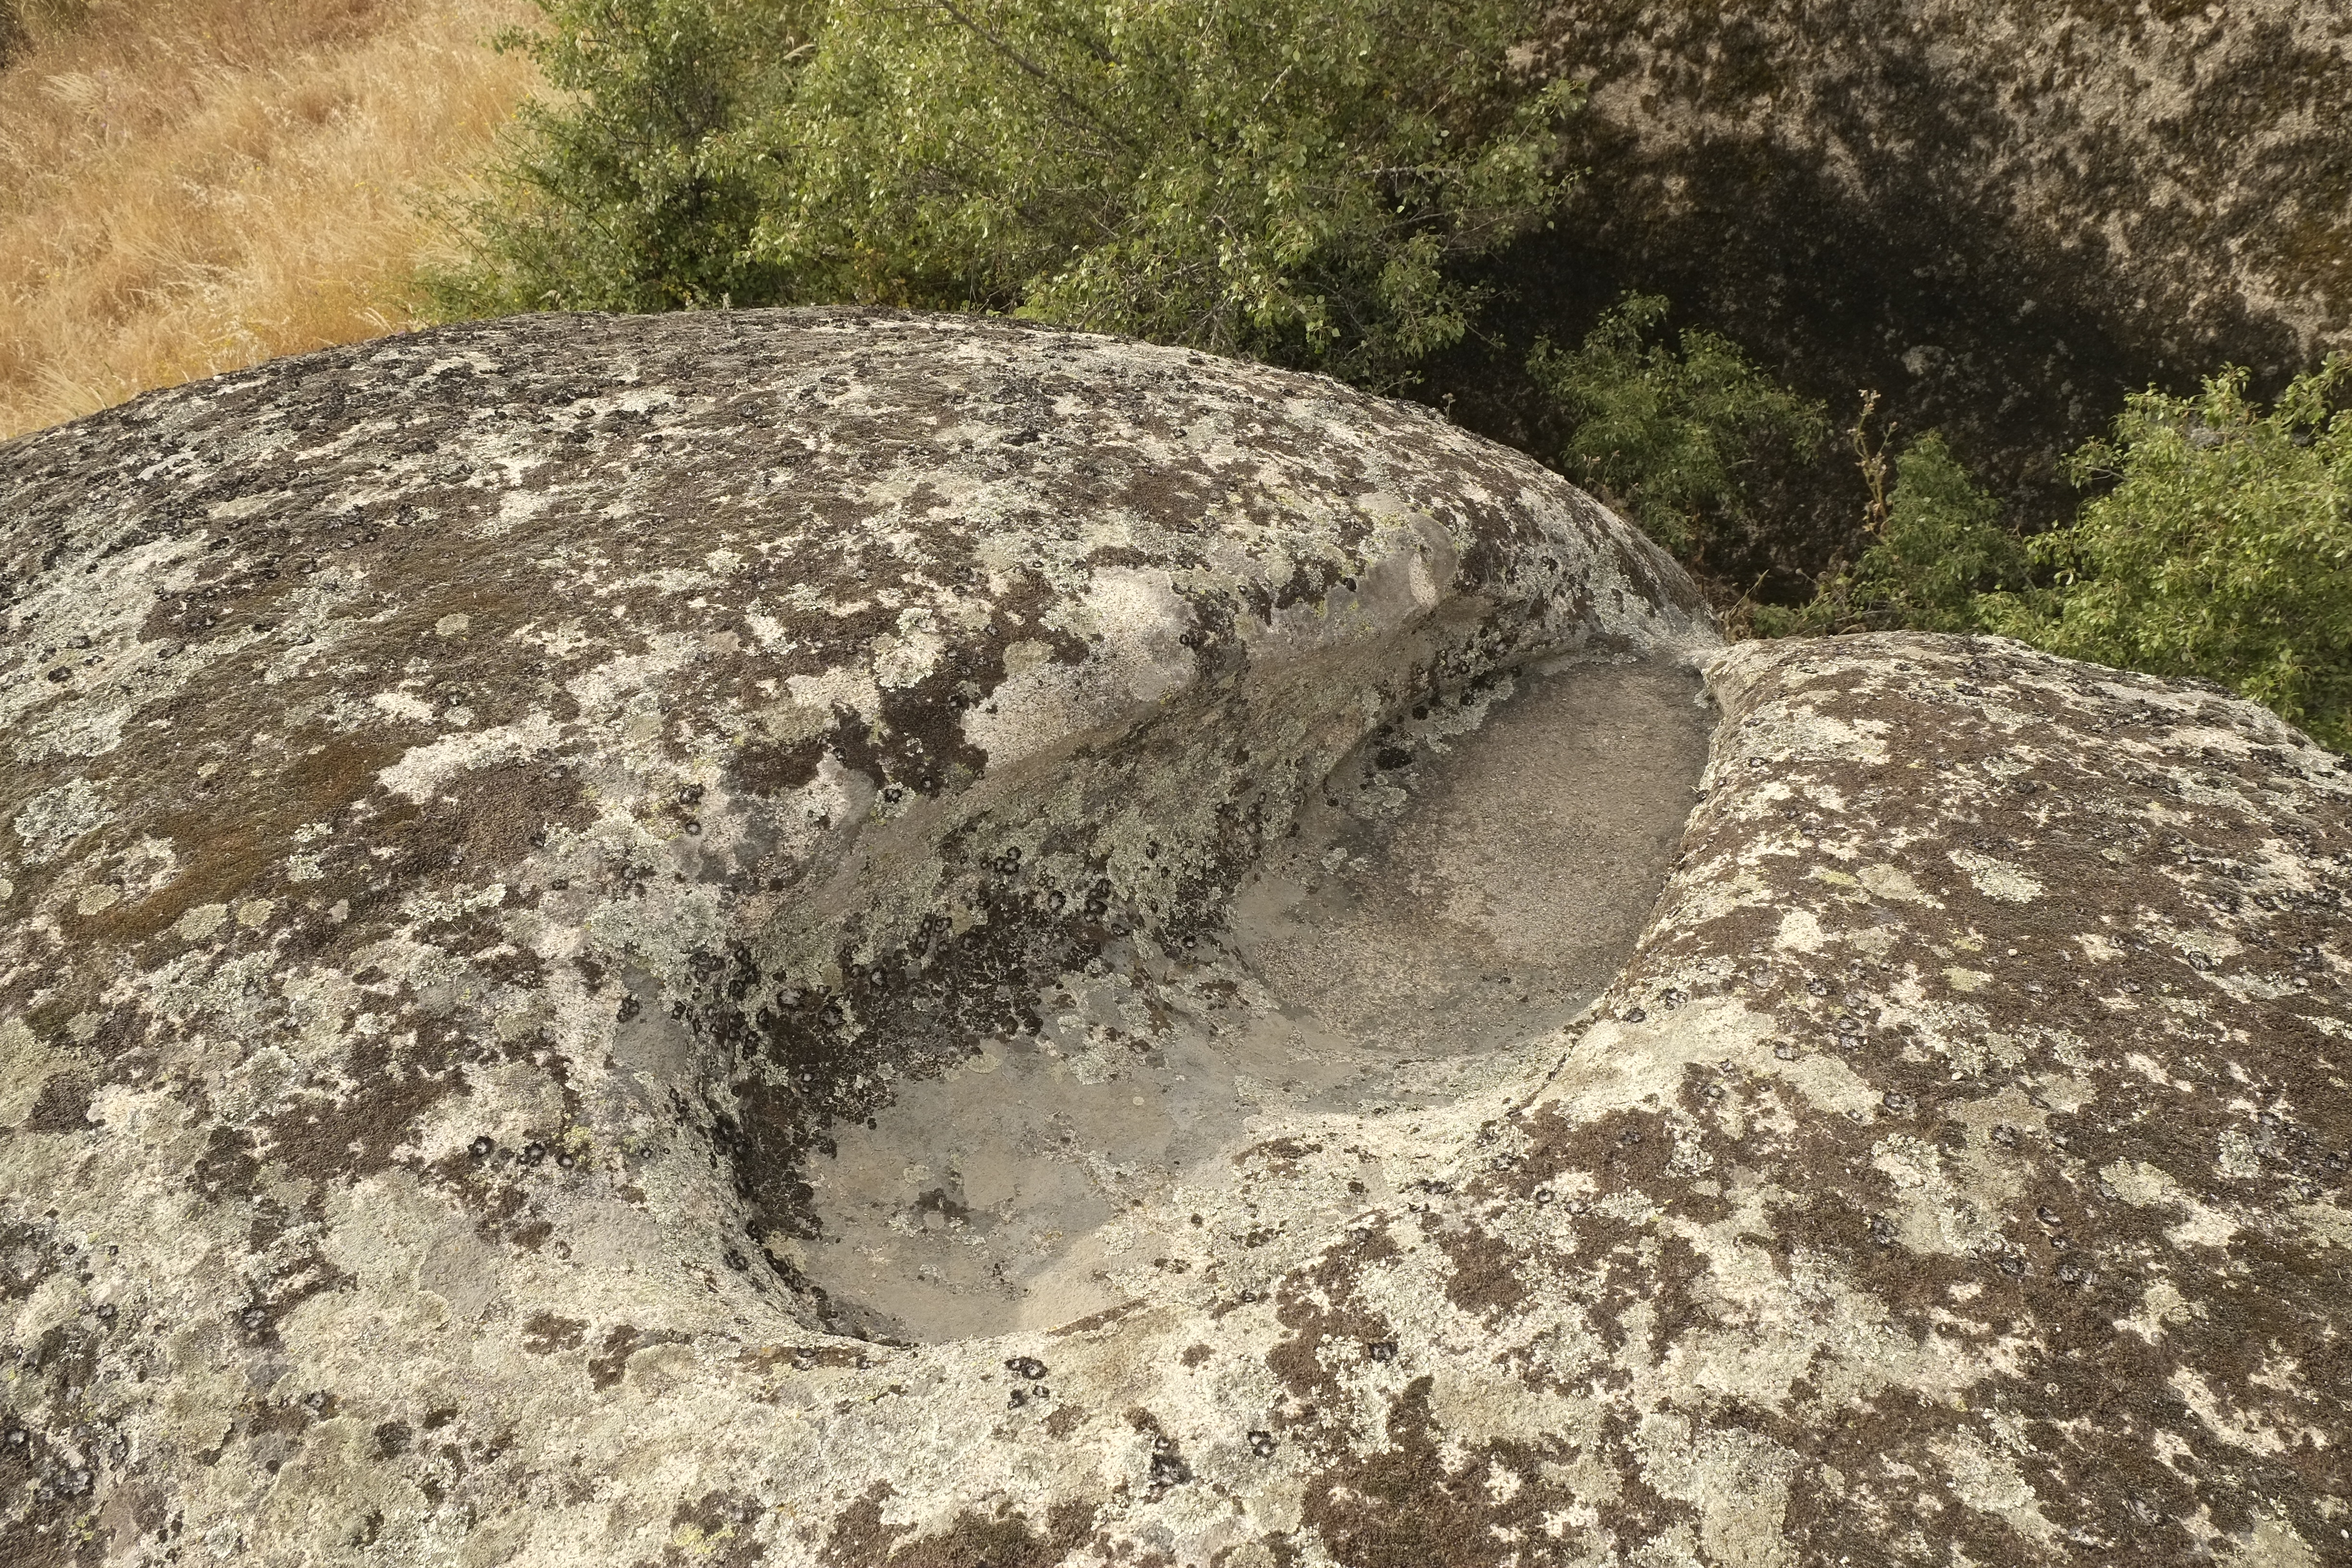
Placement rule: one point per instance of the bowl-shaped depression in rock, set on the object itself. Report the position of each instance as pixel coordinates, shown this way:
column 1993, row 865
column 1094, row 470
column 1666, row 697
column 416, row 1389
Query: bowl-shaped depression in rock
column 554, row 740
column 1461, row 885
column 488, row 810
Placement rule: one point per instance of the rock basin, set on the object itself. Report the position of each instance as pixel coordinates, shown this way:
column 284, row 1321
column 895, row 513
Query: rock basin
column 1461, row 886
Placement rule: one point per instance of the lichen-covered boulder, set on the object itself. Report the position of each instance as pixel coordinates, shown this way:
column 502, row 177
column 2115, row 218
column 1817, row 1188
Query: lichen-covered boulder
column 807, row 938
column 487, row 810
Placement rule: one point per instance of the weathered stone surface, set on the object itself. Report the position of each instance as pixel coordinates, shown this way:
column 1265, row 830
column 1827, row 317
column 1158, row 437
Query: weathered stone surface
column 488, row 810
column 1458, row 888
column 434, row 982
column 2186, row 164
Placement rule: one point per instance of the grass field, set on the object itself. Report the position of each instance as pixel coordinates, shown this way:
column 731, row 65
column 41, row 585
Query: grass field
column 187, row 186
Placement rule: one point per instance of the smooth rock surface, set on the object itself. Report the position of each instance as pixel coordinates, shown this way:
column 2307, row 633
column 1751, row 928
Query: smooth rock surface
column 494, row 818
column 1464, row 883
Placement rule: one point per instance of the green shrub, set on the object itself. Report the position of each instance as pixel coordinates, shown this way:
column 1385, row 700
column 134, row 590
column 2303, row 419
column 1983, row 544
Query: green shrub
column 1667, row 436
column 1298, row 180
column 1934, row 546
column 2223, row 549
column 640, row 188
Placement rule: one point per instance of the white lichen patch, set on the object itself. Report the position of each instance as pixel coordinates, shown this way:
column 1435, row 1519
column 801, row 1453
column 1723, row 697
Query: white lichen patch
column 1997, row 879
column 53, row 820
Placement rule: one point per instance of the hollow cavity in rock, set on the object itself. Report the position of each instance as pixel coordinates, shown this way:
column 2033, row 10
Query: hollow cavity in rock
column 1467, row 880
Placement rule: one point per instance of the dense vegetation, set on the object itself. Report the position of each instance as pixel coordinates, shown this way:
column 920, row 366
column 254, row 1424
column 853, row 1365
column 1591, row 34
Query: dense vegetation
column 1206, row 172
column 2222, row 548
column 1318, row 183
column 25, row 23
column 1670, row 434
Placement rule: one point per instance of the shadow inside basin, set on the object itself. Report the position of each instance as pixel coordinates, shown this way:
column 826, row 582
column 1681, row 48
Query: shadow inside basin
column 1472, row 877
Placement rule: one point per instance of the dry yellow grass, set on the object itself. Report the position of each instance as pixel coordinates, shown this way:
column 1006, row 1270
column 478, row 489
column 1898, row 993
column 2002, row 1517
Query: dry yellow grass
column 187, row 186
